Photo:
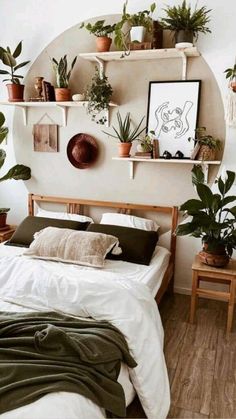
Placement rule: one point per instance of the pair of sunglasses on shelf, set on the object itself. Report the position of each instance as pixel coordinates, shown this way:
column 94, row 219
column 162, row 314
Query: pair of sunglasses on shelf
column 168, row 155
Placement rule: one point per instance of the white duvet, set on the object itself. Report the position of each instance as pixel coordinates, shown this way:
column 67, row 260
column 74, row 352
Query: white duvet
column 102, row 295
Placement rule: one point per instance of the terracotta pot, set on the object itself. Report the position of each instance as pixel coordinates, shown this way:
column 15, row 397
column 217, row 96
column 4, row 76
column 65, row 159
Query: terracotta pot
column 183, row 36
column 3, row 219
column 206, row 153
column 103, row 43
column 124, row 149
column 15, row 92
column 62, row 94
column 233, row 85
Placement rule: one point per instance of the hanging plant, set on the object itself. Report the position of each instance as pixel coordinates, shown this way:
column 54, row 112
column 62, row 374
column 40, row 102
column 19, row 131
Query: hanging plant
column 98, row 96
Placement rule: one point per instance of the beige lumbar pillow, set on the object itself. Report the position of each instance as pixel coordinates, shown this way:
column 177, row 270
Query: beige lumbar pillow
column 72, row 246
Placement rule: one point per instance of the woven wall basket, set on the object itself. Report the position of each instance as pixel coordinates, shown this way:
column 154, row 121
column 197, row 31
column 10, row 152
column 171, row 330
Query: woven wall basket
column 206, row 153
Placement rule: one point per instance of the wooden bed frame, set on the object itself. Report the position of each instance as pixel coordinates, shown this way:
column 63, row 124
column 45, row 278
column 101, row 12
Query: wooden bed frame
column 76, row 206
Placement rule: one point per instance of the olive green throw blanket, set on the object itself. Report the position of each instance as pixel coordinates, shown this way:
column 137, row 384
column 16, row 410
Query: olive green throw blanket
column 46, row 352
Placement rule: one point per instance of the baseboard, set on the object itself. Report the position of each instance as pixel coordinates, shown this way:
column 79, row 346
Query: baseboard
column 182, row 290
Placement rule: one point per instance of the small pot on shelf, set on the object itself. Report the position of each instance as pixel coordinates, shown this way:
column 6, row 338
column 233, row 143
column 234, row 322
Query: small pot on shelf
column 15, row 92
column 137, row 33
column 124, row 149
column 103, row 43
column 62, row 94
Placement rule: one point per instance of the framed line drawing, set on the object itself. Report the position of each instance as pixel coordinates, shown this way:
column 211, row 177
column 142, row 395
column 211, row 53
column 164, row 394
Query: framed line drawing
column 173, row 108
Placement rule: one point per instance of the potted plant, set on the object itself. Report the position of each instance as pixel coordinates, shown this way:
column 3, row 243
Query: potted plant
column 17, row 172
column 62, row 91
column 98, row 95
column 102, row 32
column 212, row 219
column 145, row 144
column 206, row 144
column 231, row 75
column 186, row 22
column 15, row 88
column 125, row 134
column 138, row 23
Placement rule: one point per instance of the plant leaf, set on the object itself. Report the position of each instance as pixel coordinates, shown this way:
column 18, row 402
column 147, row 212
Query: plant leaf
column 8, row 59
column 205, row 195
column 21, row 65
column 3, row 134
column 2, row 157
column 197, row 175
column 192, row 205
column 17, row 172
column 2, row 119
column 230, row 180
column 4, row 72
column 18, row 50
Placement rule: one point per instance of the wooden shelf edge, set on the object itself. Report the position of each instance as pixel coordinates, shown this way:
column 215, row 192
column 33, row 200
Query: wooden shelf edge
column 168, row 161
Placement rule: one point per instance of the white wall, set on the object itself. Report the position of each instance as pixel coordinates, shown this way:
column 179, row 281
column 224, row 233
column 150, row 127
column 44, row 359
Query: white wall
column 38, row 23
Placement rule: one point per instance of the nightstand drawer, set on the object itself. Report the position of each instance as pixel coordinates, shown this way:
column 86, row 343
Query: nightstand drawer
column 7, row 233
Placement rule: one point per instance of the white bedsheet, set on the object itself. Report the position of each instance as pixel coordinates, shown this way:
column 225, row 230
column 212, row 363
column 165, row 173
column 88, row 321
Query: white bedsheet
column 111, row 294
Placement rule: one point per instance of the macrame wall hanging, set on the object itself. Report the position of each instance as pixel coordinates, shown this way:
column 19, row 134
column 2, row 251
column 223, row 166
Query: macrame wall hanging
column 45, row 136
column 230, row 112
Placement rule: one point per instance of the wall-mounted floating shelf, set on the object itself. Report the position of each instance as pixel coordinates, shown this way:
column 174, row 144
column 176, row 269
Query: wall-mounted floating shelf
column 132, row 160
column 150, row 54
column 64, row 106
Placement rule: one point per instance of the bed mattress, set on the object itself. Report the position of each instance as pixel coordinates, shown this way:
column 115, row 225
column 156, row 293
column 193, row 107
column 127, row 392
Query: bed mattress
column 75, row 405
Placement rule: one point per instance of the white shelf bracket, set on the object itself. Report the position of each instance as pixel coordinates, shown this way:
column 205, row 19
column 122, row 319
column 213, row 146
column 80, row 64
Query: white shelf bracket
column 64, row 110
column 25, row 114
column 131, row 169
column 205, row 169
column 101, row 66
column 184, row 64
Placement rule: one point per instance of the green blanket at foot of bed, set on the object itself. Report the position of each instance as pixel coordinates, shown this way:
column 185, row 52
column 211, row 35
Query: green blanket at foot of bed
column 42, row 353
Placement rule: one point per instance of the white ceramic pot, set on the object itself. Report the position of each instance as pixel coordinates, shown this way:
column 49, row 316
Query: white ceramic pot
column 137, row 33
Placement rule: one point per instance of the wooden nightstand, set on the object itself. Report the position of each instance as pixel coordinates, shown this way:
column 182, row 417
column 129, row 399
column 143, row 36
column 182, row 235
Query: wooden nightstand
column 6, row 234
column 227, row 275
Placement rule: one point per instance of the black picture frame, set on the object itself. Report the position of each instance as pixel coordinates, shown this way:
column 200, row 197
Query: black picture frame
column 172, row 113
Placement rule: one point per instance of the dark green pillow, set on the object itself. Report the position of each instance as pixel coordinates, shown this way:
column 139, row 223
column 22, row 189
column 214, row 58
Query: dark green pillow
column 24, row 233
column 137, row 245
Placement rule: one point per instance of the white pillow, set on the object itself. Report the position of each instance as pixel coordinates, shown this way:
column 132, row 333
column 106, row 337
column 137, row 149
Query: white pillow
column 63, row 216
column 129, row 221
column 73, row 246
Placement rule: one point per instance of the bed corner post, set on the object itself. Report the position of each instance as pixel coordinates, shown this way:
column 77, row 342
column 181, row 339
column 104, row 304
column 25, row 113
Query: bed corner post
column 30, row 204
column 173, row 245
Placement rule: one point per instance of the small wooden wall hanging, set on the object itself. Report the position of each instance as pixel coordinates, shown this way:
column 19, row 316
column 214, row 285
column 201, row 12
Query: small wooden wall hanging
column 45, row 136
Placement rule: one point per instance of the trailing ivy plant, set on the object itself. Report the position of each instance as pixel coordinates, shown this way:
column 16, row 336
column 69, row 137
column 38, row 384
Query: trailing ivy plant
column 98, row 95
column 99, row 28
column 8, row 58
column 17, row 172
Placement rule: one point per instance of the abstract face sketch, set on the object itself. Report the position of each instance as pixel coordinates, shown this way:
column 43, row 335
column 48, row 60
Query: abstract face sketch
column 172, row 114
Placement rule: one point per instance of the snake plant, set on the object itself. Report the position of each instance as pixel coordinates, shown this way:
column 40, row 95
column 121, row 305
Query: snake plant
column 60, row 68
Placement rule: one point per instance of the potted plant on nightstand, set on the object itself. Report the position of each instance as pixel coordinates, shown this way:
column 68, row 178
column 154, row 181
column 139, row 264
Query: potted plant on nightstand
column 206, row 144
column 212, row 219
column 15, row 89
column 125, row 134
column 186, row 22
column 102, row 32
column 230, row 74
column 17, row 172
column 138, row 24
column 62, row 91
column 98, row 95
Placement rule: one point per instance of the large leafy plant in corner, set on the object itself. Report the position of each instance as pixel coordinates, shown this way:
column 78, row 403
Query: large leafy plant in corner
column 17, row 172
column 8, row 58
column 213, row 215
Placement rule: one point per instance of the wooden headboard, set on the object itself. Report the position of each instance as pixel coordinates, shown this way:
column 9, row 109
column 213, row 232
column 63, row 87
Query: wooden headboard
column 76, row 206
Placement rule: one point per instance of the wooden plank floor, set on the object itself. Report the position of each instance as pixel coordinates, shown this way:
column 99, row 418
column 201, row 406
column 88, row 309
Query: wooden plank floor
column 201, row 362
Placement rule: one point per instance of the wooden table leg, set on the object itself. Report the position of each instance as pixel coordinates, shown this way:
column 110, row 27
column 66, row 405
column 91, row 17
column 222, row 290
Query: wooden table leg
column 231, row 307
column 194, row 297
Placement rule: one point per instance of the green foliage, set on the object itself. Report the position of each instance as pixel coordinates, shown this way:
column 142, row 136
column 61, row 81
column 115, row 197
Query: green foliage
column 212, row 219
column 17, row 172
column 99, row 28
column 9, row 59
column 204, row 139
column 125, row 133
column 60, row 68
column 4, row 210
column 182, row 17
column 230, row 73
column 146, row 143
column 98, row 94
column 142, row 18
